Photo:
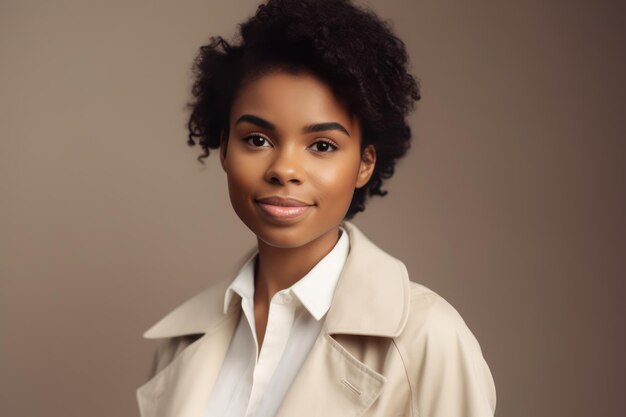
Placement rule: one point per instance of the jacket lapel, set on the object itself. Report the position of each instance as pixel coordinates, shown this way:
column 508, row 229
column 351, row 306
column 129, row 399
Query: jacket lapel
column 181, row 389
column 371, row 299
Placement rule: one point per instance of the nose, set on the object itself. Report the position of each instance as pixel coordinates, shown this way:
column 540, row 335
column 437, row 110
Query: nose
column 286, row 167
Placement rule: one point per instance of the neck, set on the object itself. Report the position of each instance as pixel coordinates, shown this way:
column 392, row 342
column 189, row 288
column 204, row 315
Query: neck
column 280, row 268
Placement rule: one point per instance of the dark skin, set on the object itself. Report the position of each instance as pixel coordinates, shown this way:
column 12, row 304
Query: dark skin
column 291, row 137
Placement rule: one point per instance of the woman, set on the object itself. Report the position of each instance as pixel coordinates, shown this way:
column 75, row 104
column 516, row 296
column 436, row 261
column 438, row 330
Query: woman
column 308, row 113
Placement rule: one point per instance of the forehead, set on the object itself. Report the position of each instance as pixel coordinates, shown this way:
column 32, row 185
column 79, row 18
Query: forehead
column 290, row 99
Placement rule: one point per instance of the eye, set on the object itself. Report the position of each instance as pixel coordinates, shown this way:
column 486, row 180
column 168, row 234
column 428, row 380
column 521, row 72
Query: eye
column 324, row 146
column 257, row 141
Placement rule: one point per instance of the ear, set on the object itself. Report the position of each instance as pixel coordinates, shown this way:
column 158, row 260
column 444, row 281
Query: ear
column 223, row 146
column 366, row 168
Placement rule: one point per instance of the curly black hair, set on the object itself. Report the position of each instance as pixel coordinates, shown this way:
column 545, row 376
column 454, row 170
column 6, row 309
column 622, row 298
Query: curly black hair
column 347, row 46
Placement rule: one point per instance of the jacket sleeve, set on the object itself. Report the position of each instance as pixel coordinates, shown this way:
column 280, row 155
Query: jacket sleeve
column 450, row 376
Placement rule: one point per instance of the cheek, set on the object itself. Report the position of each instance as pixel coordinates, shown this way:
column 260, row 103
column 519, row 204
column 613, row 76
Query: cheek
column 240, row 189
column 242, row 171
column 336, row 182
column 240, row 178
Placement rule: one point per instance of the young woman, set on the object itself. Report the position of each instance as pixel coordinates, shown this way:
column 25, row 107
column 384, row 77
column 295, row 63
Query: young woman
column 308, row 113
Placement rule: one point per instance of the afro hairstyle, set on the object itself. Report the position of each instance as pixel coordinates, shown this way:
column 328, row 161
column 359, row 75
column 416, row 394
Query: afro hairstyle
column 347, row 46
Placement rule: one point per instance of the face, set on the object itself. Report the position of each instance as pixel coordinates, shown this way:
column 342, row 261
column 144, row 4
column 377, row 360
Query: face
column 293, row 159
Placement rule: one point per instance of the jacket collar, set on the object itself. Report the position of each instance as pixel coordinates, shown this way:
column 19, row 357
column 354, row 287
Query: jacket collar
column 371, row 298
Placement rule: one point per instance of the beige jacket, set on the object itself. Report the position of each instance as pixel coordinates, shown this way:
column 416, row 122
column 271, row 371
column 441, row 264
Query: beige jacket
column 389, row 347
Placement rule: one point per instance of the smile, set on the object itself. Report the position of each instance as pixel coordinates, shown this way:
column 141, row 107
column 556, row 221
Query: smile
column 283, row 212
column 279, row 208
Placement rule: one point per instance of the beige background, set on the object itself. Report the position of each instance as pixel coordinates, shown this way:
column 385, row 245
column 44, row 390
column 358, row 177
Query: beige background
column 510, row 205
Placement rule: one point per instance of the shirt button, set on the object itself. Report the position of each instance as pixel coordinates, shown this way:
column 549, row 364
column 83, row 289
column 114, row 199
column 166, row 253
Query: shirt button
column 287, row 298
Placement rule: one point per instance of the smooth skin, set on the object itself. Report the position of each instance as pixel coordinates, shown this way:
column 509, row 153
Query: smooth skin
column 291, row 137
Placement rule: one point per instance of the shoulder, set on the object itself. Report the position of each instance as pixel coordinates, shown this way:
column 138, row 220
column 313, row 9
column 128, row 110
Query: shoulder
column 443, row 358
column 431, row 315
column 435, row 327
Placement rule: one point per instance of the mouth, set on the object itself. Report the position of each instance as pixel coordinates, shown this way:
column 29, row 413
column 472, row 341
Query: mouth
column 283, row 208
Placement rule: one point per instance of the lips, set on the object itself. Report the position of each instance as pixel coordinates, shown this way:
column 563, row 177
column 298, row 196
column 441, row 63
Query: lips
column 283, row 208
column 283, row 201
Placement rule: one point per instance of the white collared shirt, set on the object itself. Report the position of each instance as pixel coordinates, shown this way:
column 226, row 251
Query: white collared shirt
column 253, row 383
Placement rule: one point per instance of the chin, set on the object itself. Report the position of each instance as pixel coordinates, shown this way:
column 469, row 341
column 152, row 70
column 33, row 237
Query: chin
column 284, row 237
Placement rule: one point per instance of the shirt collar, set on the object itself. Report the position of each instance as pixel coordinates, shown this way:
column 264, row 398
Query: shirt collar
column 369, row 273
column 243, row 284
column 314, row 291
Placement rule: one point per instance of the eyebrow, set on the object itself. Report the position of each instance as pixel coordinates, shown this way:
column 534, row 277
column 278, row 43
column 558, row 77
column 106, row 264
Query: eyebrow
column 255, row 120
column 321, row 127
column 317, row 127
